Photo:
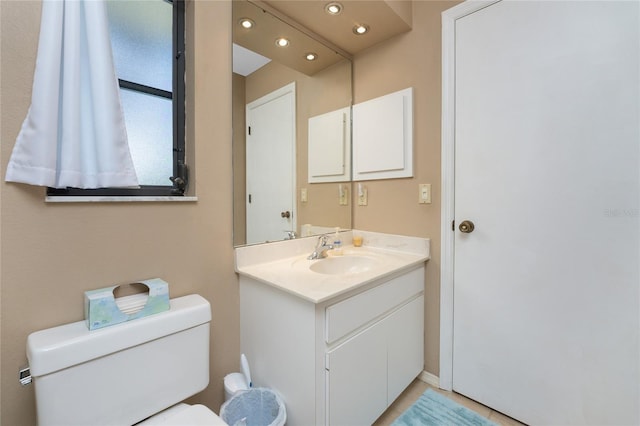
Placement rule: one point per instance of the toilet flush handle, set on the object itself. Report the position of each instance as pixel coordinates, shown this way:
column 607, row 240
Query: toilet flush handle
column 24, row 376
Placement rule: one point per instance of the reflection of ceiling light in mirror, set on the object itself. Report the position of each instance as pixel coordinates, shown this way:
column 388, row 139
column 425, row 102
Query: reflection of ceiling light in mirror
column 311, row 56
column 247, row 23
column 333, row 8
column 360, row 29
column 282, row 42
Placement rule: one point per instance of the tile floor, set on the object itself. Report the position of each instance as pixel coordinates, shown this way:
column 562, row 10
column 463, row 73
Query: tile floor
column 417, row 388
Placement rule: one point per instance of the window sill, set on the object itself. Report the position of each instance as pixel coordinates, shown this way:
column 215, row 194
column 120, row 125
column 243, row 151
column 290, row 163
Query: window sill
column 114, row 199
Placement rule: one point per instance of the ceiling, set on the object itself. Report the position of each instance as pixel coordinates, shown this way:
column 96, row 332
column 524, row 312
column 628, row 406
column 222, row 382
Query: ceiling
column 385, row 19
column 261, row 39
column 330, row 37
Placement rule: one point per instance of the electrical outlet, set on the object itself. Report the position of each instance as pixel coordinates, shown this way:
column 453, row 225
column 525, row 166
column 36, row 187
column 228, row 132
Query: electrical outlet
column 303, row 195
column 363, row 196
column 343, row 192
column 424, row 193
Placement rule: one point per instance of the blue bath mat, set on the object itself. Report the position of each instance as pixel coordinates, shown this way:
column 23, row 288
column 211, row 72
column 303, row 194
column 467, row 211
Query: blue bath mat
column 436, row 410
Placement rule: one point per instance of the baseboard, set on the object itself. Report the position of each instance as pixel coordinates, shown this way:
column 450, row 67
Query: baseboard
column 430, row 379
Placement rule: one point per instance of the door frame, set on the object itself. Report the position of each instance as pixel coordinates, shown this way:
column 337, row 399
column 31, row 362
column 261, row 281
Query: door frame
column 447, row 237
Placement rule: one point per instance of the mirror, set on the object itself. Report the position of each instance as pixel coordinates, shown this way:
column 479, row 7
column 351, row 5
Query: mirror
column 266, row 167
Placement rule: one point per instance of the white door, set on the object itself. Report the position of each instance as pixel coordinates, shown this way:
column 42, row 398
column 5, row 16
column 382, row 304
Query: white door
column 546, row 286
column 270, row 162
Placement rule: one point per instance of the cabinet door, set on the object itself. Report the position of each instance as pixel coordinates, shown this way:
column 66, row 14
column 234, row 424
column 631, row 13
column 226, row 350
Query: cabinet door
column 405, row 346
column 357, row 378
column 383, row 137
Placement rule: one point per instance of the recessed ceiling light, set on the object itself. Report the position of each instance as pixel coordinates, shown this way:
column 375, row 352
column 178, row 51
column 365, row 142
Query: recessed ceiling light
column 360, row 29
column 311, row 56
column 282, row 42
column 246, row 23
column 333, row 8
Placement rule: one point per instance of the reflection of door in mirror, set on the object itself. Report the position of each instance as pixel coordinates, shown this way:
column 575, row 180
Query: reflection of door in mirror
column 321, row 86
column 315, row 95
column 270, row 166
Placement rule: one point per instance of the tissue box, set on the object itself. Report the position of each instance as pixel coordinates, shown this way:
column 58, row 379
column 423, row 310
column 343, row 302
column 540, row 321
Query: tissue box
column 101, row 309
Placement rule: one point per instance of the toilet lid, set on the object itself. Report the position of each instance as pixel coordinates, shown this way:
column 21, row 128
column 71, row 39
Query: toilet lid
column 192, row 415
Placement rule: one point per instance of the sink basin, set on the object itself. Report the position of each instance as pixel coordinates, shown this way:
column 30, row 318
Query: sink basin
column 338, row 265
column 285, row 264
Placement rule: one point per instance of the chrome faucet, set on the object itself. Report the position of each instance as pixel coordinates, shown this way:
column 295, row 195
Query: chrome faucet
column 321, row 248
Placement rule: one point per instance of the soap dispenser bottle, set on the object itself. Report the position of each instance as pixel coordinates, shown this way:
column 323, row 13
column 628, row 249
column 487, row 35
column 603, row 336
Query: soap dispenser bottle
column 337, row 243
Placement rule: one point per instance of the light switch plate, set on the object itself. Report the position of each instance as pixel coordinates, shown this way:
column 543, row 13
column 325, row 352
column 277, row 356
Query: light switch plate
column 303, row 195
column 424, row 193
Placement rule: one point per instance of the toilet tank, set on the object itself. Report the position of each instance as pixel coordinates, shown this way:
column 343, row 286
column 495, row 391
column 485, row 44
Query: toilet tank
column 122, row 374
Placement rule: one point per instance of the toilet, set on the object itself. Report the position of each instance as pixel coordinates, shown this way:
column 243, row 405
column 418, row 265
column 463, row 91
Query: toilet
column 137, row 371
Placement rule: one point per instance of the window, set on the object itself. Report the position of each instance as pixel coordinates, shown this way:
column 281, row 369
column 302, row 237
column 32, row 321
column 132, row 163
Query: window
column 147, row 38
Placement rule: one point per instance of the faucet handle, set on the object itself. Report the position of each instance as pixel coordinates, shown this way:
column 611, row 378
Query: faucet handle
column 291, row 235
column 322, row 240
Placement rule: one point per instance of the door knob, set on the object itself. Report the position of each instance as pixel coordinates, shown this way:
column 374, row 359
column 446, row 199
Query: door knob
column 467, row 227
column 286, row 214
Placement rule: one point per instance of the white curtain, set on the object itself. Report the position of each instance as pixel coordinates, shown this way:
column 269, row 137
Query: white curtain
column 74, row 134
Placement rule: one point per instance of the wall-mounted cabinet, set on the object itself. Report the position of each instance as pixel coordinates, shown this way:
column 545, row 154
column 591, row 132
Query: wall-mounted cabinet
column 330, row 147
column 383, row 137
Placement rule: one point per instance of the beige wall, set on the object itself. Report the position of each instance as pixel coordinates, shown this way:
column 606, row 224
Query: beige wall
column 410, row 60
column 52, row 253
column 239, row 167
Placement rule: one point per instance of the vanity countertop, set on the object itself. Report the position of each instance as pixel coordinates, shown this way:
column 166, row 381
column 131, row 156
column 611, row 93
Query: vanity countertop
column 284, row 264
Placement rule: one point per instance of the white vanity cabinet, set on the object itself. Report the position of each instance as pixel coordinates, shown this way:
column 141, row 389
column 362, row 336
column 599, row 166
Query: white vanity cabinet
column 341, row 361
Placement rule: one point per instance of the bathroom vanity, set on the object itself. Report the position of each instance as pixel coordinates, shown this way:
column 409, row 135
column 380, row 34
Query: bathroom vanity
column 339, row 338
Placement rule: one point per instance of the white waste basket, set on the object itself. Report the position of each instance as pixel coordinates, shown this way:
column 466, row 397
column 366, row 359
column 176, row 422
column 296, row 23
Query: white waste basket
column 254, row 407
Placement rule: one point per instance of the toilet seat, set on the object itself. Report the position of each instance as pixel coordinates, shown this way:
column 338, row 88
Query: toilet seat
column 185, row 415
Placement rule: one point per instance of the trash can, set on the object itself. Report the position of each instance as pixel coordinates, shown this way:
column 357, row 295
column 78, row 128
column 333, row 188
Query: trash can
column 234, row 383
column 254, row 407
